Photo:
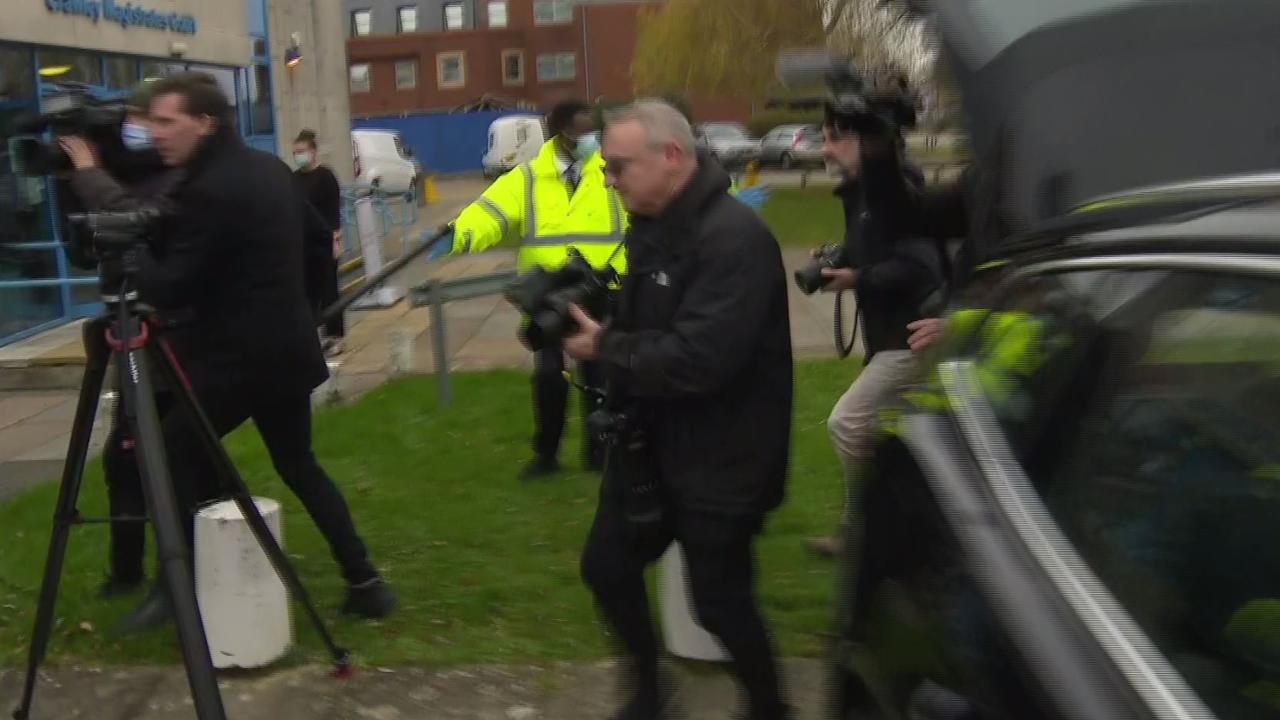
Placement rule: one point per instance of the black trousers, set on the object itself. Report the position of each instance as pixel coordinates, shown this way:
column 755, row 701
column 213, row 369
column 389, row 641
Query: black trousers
column 124, row 494
column 284, row 422
column 550, row 404
column 721, row 566
column 323, row 291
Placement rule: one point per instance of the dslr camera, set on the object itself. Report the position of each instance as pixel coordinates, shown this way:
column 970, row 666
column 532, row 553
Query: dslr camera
column 544, row 296
column 809, row 278
column 75, row 111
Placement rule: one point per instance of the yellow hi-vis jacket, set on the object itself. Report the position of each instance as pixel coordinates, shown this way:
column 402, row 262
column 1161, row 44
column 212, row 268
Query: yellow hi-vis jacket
column 533, row 204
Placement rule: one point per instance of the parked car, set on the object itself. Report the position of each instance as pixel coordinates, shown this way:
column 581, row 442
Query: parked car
column 789, row 146
column 513, row 140
column 1077, row 518
column 729, row 142
column 380, row 158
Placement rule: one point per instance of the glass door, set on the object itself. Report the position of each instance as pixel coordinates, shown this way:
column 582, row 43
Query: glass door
column 32, row 296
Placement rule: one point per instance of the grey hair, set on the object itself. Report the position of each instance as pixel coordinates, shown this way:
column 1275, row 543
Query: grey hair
column 661, row 121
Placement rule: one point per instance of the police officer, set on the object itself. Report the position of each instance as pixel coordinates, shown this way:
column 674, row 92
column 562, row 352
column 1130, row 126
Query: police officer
column 556, row 201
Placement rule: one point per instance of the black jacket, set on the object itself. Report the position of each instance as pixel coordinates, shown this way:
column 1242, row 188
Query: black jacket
column 702, row 345
column 230, row 268
column 900, row 271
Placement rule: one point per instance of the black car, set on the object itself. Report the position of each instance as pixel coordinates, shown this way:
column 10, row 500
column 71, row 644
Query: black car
column 1078, row 515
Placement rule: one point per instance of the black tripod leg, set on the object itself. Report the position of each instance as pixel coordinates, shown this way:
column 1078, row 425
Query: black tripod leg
column 239, row 492
column 65, row 515
column 168, row 522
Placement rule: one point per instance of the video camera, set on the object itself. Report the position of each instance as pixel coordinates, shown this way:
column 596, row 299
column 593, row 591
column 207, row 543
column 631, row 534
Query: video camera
column 72, row 112
column 854, row 104
column 544, row 296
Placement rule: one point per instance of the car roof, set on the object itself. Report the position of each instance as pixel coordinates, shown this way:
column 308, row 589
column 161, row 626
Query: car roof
column 1253, row 221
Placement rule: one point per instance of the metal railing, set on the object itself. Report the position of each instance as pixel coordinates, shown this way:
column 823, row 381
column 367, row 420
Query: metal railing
column 436, row 293
column 396, row 214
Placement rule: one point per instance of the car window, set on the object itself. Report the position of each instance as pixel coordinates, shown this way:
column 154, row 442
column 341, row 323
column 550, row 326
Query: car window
column 1145, row 407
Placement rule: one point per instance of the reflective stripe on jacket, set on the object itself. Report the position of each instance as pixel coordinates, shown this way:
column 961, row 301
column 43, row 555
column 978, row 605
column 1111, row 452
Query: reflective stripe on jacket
column 532, row 204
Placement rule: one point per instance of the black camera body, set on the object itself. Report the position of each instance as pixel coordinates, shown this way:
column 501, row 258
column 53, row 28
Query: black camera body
column 809, row 278
column 632, row 462
column 73, row 112
column 112, row 239
column 544, row 296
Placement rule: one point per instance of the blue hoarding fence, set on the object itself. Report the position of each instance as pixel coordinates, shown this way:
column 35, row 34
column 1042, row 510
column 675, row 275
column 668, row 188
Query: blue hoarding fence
column 444, row 142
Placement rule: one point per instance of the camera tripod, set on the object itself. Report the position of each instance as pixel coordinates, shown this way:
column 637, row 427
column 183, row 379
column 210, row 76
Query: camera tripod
column 126, row 331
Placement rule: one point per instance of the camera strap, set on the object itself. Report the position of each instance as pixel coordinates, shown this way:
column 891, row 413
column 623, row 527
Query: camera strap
column 841, row 348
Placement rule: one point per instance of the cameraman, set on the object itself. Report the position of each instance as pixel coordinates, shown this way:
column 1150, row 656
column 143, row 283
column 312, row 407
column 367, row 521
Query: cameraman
column 699, row 360
column 122, row 176
column 892, row 270
column 230, row 280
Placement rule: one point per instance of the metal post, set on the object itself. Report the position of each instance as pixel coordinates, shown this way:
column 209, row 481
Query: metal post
column 439, row 345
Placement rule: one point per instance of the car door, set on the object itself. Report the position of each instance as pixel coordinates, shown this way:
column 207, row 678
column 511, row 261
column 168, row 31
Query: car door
column 1111, row 474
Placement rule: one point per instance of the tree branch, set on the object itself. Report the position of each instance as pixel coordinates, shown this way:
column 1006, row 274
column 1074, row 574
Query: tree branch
column 837, row 12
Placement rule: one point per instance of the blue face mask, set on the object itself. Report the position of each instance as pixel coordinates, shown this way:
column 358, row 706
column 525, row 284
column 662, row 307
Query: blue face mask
column 587, row 146
column 135, row 136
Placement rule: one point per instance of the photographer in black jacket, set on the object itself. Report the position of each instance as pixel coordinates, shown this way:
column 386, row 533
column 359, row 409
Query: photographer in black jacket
column 894, row 271
column 699, row 363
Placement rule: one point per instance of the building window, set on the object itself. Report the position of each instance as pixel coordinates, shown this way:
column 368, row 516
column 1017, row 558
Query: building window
column 361, row 23
column 498, row 13
column 122, row 73
column 57, row 66
column 407, row 19
column 16, row 75
column 360, row 78
column 453, row 16
column 552, row 12
column 554, row 67
column 260, row 119
column 512, row 67
column 406, row 74
column 451, row 70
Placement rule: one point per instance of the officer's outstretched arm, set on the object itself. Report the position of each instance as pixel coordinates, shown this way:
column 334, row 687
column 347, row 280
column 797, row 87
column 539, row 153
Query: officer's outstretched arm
column 497, row 215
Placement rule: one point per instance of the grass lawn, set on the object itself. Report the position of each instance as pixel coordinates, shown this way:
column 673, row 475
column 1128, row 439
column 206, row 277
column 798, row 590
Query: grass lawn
column 804, row 218
column 486, row 567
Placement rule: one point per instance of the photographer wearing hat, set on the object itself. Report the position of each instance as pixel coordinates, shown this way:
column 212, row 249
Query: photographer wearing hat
column 893, row 271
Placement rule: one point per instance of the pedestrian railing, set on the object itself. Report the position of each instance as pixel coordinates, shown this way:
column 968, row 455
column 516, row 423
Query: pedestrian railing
column 436, row 293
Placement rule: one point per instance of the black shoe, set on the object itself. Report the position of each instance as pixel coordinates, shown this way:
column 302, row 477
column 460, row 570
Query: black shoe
column 539, row 468
column 647, row 707
column 651, row 703
column 371, row 600
column 154, row 612
column 114, row 587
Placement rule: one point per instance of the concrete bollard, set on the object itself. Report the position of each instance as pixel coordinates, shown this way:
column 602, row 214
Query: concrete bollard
column 243, row 603
column 399, row 352
column 684, row 636
column 328, row 392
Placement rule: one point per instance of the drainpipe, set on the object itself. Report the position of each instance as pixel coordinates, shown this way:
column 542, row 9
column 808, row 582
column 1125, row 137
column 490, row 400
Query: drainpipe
column 586, row 53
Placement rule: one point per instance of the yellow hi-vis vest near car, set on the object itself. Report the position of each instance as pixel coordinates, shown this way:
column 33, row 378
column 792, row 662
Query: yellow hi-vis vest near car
column 534, row 204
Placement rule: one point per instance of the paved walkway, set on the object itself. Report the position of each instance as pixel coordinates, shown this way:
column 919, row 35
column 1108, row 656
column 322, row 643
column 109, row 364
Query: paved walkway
column 35, row 424
column 561, row 691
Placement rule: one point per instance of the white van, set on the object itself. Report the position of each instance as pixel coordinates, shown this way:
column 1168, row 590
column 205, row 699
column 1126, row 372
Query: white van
column 513, row 139
column 381, row 158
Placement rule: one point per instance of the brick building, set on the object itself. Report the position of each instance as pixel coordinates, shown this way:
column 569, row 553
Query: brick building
column 421, row 55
